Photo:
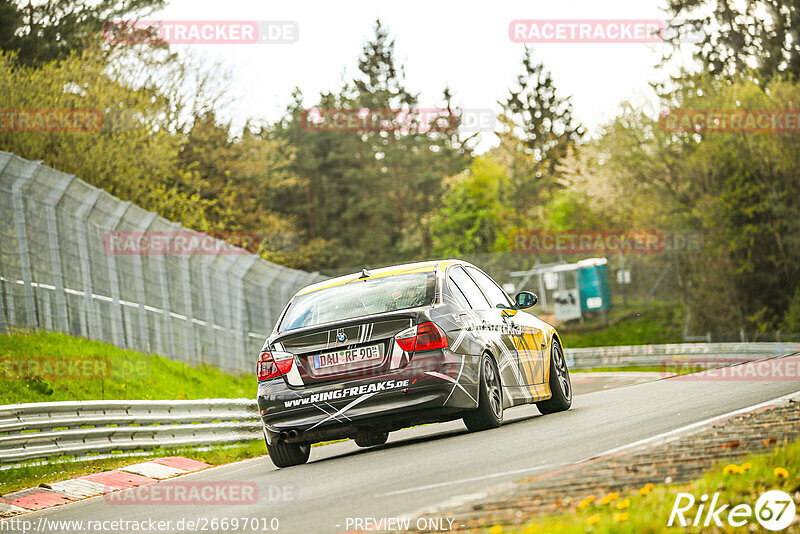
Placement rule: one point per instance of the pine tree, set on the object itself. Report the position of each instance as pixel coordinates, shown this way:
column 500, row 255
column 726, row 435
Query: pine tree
column 538, row 130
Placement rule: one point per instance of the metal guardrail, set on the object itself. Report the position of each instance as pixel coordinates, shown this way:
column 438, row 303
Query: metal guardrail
column 663, row 355
column 41, row 430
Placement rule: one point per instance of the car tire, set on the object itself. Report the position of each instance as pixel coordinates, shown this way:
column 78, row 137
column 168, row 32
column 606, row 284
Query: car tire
column 560, row 384
column 489, row 413
column 285, row 454
column 372, row 440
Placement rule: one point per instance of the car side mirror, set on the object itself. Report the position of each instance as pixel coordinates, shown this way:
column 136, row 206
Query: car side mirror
column 525, row 299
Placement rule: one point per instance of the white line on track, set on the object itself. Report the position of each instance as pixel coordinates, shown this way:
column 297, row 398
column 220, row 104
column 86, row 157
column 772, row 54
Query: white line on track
column 472, row 479
column 692, row 426
column 631, row 445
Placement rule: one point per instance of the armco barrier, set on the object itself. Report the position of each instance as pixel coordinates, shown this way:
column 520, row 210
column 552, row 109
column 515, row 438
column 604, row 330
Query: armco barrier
column 658, row 355
column 42, row 430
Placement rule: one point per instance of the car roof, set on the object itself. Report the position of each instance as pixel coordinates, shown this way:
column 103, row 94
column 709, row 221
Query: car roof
column 383, row 272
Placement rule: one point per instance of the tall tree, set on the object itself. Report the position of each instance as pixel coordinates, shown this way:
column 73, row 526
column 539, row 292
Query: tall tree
column 538, row 130
column 370, row 190
column 741, row 36
column 43, row 31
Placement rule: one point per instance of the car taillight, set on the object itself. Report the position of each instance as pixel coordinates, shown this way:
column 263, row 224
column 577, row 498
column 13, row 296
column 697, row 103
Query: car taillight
column 426, row 336
column 273, row 364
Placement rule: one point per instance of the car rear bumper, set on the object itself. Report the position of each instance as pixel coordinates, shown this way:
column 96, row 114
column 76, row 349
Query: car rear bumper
column 436, row 387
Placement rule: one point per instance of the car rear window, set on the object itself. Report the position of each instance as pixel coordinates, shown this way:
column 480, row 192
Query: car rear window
column 359, row 299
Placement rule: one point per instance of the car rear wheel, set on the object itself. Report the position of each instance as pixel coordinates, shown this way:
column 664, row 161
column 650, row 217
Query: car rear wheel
column 285, row 454
column 560, row 384
column 490, row 399
column 372, row 440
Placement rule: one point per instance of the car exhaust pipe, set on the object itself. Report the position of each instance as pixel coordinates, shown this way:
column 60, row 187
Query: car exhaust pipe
column 293, row 434
column 283, row 435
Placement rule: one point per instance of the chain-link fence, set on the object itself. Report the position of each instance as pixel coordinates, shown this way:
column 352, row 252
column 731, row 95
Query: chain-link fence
column 653, row 277
column 58, row 272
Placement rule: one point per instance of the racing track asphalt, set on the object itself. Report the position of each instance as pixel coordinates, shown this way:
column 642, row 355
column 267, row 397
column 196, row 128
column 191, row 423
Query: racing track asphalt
column 423, row 466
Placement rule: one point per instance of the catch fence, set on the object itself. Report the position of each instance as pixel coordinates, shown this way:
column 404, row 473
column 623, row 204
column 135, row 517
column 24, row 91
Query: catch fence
column 58, row 272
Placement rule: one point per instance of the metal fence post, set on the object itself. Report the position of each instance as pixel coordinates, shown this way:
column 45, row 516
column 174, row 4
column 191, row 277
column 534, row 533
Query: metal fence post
column 8, row 303
column 90, row 321
column 209, row 303
column 223, row 291
column 268, row 295
column 117, row 331
column 190, row 345
column 53, row 198
column 22, row 242
column 238, row 272
column 165, row 337
column 138, row 276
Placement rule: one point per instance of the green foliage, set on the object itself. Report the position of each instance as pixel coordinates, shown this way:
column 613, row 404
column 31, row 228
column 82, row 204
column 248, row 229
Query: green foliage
column 791, row 319
column 128, row 156
column 472, row 215
column 739, row 189
column 740, row 35
column 572, row 210
column 44, row 31
column 650, row 325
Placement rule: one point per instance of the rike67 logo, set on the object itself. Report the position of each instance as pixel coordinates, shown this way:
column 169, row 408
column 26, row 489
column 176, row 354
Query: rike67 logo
column 774, row 510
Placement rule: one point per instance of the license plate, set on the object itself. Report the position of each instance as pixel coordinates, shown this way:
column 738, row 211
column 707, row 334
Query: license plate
column 346, row 357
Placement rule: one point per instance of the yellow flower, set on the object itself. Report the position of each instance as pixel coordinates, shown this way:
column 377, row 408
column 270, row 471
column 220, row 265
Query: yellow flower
column 610, row 497
column 594, row 519
column 745, row 467
column 732, row 468
column 497, row 529
column 781, row 472
column 585, row 502
column 647, row 488
column 623, row 504
column 620, row 517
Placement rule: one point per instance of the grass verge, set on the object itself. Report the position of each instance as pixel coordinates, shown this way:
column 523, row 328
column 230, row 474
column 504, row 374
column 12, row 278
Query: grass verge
column 102, row 372
column 635, row 324
column 648, row 509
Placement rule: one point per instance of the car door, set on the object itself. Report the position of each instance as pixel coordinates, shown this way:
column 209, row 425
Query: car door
column 485, row 322
column 523, row 330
